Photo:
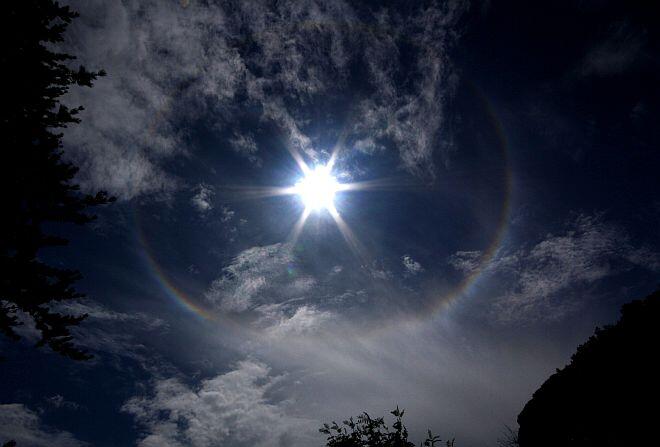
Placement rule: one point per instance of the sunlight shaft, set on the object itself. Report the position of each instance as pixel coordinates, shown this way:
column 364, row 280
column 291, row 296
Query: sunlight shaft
column 297, row 228
column 350, row 238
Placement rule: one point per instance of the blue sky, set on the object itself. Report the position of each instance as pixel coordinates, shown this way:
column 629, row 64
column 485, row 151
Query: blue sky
column 510, row 154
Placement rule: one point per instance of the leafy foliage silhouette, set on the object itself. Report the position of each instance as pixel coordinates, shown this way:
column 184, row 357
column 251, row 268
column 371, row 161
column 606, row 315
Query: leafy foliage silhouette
column 608, row 394
column 36, row 184
column 365, row 431
column 509, row 438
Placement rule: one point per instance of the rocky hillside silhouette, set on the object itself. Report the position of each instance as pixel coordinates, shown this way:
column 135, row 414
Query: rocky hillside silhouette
column 609, row 392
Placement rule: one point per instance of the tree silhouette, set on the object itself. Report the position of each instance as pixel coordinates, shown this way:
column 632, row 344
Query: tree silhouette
column 608, row 394
column 36, row 185
column 366, row 431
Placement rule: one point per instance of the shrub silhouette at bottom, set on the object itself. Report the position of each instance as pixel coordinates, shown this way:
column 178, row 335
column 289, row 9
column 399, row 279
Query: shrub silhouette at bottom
column 365, row 431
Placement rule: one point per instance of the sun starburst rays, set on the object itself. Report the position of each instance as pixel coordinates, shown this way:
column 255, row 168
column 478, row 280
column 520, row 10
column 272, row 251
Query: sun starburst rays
column 317, row 188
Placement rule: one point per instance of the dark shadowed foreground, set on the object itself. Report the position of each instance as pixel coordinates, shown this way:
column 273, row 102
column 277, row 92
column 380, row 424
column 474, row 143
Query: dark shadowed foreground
column 608, row 394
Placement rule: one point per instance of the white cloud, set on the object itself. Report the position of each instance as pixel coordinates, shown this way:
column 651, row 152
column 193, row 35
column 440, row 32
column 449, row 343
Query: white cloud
column 22, row 425
column 229, row 409
column 162, row 62
column 202, row 200
column 412, row 267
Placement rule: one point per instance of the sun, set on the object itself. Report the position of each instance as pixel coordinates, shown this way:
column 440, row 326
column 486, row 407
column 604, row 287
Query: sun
column 317, row 189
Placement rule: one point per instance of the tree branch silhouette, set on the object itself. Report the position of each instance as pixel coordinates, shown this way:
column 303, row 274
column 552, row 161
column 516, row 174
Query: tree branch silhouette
column 36, row 185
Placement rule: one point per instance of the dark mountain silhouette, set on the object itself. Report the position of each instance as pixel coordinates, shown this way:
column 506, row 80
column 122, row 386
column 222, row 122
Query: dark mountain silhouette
column 609, row 392
column 36, row 185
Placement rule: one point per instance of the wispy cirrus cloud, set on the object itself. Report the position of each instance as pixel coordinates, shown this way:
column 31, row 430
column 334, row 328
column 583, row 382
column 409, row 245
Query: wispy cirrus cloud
column 97, row 311
column 246, row 147
column 620, row 51
column 58, row 401
column 168, row 66
column 283, row 290
column 466, row 261
column 252, row 278
column 111, row 334
column 269, row 283
column 280, row 321
column 538, row 281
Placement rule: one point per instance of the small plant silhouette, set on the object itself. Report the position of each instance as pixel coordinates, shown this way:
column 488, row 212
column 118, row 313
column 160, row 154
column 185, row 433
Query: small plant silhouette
column 365, row 431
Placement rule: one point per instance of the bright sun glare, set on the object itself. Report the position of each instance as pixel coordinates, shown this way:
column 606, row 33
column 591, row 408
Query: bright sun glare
column 317, row 189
